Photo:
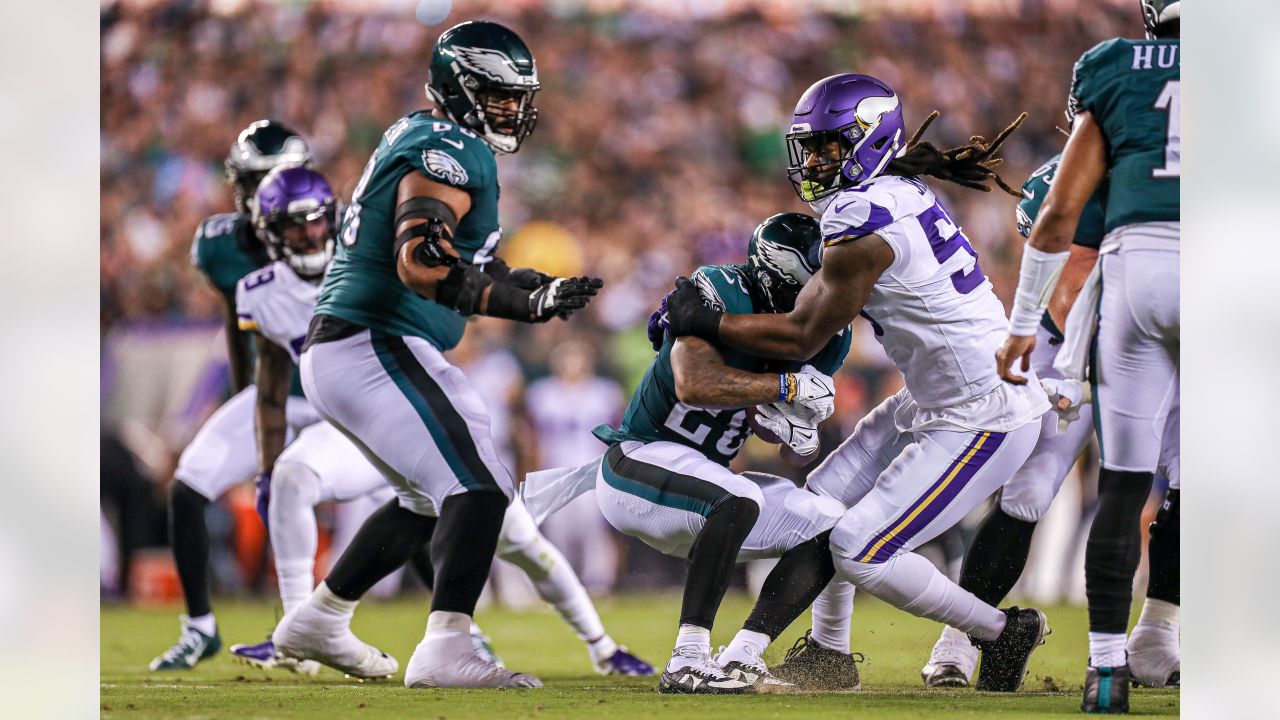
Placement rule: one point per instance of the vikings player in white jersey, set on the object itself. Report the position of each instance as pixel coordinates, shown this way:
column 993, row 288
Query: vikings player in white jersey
column 932, row 452
column 295, row 216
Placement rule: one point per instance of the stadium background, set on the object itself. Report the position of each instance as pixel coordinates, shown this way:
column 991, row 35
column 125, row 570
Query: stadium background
column 659, row 147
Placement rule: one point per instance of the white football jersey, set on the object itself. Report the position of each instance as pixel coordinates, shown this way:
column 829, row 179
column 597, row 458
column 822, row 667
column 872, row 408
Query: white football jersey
column 276, row 302
column 933, row 310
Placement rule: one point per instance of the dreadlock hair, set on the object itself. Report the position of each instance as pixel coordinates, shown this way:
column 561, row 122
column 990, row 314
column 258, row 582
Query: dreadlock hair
column 969, row 165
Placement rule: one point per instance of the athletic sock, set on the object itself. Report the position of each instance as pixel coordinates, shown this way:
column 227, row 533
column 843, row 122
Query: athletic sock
column 189, row 536
column 712, row 559
column 833, row 616
column 382, row 545
column 325, row 600
column 1158, row 612
column 204, row 623
column 793, row 584
column 602, row 648
column 1107, row 649
column 694, row 636
column 746, row 646
column 465, row 539
column 997, row 556
column 1165, row 583
column 295, row 492
column 911, row 583
column 558, row 585
column 1113, row 550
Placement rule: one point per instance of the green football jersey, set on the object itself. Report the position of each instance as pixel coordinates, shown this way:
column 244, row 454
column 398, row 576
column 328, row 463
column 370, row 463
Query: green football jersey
column 655, row 414
column 1089, row 230
column 1131, row 87
column 224, row 250
column 363, row 286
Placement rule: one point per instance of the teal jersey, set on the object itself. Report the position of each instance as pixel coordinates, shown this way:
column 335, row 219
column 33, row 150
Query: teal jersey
column 363, row 286
column 224, row 250
column 1089, row 230
column 655, row 414
column 1131, row 87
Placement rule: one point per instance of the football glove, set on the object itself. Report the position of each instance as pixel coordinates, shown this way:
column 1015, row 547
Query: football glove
column 658, row 322
column 1066, row 396
column 796, row 431
column 528, row 278
column 810, row 393
column 688, row 314
column 264, row 497
column 562, row 297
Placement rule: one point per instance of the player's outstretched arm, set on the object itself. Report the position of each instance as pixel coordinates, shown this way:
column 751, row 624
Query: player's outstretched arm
column 704, row 380
column 828, row 303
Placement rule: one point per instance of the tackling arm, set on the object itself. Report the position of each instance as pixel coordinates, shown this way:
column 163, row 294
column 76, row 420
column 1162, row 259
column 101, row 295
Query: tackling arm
column 831, row 299
column 704, row 380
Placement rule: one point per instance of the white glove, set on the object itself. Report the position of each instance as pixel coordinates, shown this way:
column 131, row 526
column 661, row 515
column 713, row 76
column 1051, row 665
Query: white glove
column 1066, row 396
column 781, row 420
column 810, row 395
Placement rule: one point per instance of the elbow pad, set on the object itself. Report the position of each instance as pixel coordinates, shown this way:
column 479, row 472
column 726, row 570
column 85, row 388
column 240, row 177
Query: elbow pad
column 462, row 289
column 439, row 225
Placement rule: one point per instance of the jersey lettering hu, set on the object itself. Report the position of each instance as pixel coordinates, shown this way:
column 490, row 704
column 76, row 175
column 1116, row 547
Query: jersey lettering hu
column 655, row 413
column 363, row 286
column 277, row 303
column 1131, row 87
column 933, row 310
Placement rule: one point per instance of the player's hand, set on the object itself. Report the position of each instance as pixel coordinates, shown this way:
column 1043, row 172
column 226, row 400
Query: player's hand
column 264, row 496
column 791, row 428
column 528, row 278
column 658, row 323
column 562, row 297
column 1014, row 347
column 1067, row 396
column 688, row 314
column 810, row 393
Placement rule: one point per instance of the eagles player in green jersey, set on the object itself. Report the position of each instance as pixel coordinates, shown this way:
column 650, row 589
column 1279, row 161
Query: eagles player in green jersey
column 416, row 259
column 665, row 478
column 223, row 452
column 1125, row 99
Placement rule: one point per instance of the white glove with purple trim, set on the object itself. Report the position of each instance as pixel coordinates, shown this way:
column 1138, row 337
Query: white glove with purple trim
column 796, row 431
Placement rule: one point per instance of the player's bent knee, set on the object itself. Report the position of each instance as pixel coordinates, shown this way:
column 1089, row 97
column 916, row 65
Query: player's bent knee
column 295, row 484
column 851, row 533
column 1026, row 504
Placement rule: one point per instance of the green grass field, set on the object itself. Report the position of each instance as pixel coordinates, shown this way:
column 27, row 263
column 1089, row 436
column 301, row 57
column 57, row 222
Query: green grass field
column 535, row 641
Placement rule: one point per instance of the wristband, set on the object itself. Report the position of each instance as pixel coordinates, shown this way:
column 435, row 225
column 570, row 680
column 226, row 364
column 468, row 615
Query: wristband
column 787, row 387
column 1037, row 278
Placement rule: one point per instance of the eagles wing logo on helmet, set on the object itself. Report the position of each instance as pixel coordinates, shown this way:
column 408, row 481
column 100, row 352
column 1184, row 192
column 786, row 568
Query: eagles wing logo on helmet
column 787, row 261
column 495, row 65
column 443, row 165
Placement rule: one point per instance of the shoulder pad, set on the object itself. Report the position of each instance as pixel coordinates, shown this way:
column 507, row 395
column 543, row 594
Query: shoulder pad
column 1089, row 76
column 249, row 293
column 868, row 208
column 448, row 153
column 723, row 288
column 212, row 228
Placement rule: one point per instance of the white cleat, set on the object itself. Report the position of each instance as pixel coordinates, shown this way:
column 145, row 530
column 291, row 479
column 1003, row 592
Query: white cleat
column 952, row 662
column 308, row 633
column 691, row 671
column 751, row 669
column 450, row 661
column 1155, row 658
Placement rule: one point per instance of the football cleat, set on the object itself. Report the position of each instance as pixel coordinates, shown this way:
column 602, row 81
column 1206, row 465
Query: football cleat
column 757, row 675
column 811, row 666
column 192, row 647
column 452, row 662
column 483, row 645
column 1004, row 660
column 1106, row 690
column 623, row 662
column 1154, row 656
column 691, row 671
column 263, row 656
column 952, row 662
column 307, row 633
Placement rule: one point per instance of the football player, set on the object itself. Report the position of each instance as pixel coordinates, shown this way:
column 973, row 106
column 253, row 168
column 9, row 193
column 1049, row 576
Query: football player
column 932, row 452
column 1125, row 99
column 296, row 217
column 222, row 454
column 416, row 258
column 665, row 477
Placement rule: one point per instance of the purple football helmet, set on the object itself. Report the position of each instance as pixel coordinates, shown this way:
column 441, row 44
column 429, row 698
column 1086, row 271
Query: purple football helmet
column 296, row 218
column 845, row 131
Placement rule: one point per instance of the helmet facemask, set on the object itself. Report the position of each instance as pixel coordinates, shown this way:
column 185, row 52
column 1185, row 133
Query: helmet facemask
column 832, row 148
column 304, row 237
column 501, row 113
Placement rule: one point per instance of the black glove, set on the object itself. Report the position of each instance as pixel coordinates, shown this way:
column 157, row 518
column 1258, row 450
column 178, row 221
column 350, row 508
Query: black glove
column 689, row 315
column 528, row 278
column 562, row 297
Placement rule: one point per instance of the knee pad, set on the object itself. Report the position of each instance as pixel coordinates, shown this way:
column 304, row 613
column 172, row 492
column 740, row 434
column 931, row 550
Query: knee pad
column 294, row 482
column 1026, row 501
column 743, row 507
column 852, row 532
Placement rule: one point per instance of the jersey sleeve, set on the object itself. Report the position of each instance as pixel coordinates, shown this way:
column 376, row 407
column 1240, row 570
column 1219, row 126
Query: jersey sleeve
column 723, row 289
column 1090, row 80
column 452, row 158
column 1092, row 224
column 1093, row 220
column 244, row 306
column 855, row 213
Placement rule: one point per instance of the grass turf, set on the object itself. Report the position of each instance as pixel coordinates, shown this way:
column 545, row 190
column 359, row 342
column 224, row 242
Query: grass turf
column 536, row 641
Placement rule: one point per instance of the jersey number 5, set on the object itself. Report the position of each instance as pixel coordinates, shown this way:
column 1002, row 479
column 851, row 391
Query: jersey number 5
column 946, row 240
column 1170, row 102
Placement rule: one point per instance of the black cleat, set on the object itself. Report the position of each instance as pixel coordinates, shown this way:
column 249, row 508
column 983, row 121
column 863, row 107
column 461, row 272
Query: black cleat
column 812, row 667
column 1004, row 660
column 1106, row 690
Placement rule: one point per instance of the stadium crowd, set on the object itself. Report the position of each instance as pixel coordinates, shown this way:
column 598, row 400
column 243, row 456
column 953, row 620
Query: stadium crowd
column 659, row 147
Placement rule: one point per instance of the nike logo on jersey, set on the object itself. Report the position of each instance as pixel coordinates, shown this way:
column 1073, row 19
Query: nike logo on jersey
column 455, row 143
column 1029, row 194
